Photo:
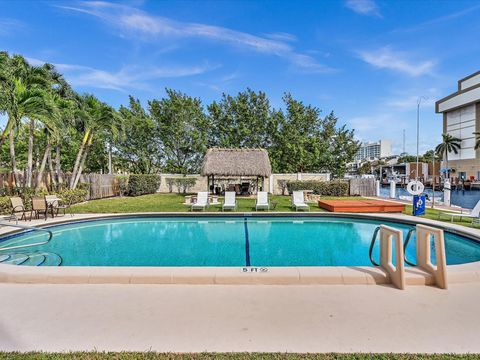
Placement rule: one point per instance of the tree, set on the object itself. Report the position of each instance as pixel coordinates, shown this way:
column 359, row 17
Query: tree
column 342, row 146
column 242, row 121
column 182, row 128
column 22, row 95
column 477, row 139
column 449, row 144
column 97, row 117
column 307, row 142
column 139, row 152
column 430, row 156
column 365, row 168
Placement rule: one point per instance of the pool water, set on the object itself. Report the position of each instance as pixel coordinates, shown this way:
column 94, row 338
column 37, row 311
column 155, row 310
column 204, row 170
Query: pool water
column 235, row 241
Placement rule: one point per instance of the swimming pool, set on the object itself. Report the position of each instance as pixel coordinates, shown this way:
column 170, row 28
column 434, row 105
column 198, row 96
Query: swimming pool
column 218, row 242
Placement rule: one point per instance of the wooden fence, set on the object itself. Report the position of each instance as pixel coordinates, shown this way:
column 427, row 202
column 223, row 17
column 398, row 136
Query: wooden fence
column 362, row 187
column 100, row 185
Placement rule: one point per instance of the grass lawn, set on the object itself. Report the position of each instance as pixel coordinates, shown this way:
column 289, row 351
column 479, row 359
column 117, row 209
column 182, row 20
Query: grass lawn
column 174, row 202
column 433, row 214
column 233, row 356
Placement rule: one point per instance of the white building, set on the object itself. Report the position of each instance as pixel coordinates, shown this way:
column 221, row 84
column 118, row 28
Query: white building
column 461, row 118
column 374, row 150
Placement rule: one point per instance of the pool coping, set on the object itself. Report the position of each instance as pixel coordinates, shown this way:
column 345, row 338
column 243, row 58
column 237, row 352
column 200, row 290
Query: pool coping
column 311, row 275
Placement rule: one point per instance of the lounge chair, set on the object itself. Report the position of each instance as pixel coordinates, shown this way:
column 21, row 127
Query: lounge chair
column 18, row 209
column 229, row 203
column 474, row 214
column 262, row 201
column 39, row 207
column 202, row 201
column 298, row 201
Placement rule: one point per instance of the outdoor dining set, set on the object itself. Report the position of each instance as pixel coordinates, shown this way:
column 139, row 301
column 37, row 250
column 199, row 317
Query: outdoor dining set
column 40, row 206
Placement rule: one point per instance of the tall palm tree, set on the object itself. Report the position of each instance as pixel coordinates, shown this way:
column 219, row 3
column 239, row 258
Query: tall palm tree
column 54, row 126
column 22, row 90
column 98, row 117
column 449, row 144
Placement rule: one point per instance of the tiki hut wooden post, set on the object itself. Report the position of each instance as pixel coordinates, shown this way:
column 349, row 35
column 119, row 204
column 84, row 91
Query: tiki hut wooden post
column 236, row 163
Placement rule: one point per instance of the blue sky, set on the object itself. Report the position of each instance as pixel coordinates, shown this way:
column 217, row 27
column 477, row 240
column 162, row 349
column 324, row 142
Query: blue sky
column 367, row 60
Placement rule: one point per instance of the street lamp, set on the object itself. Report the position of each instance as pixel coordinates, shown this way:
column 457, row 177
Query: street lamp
column 419, row 101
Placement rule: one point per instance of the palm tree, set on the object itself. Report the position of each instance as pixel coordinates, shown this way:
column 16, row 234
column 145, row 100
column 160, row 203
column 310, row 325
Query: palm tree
column 449, row 144
column 477, row 140
column 22, row 90
column 97, row 117
column 56, row 125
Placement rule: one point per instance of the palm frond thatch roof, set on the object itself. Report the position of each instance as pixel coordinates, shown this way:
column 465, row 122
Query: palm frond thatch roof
column 236, row 162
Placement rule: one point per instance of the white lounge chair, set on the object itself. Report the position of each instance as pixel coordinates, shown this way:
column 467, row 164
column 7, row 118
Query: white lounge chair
column 298, row 201
column 262, row 201
column 229, row 203
column 202, row 201
column 474, row 214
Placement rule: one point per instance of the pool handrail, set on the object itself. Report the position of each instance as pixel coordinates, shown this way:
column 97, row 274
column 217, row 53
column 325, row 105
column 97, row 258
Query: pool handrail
column 372, row 244
column 26, row 227
column 407, row 239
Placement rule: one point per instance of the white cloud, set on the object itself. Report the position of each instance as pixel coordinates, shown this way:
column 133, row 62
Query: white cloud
column 134, row 22
column 8, row 26
column 363, row 7
column 128, row 77
column 386, row 58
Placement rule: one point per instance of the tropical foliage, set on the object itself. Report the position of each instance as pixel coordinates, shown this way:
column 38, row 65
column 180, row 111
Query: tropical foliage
column 448, row 145
column 51, row 129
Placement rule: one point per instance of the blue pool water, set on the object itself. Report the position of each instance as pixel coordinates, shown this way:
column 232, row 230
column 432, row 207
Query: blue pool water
column 213, row 241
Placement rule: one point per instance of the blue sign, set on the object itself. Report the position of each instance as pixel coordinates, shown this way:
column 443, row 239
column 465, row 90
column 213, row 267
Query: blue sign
column 418, row 205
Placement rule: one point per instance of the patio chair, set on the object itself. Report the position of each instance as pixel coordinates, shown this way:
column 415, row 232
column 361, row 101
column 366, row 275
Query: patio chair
column 202, row 201
column 18, row 208
column 298, row 201
column 474, row 214
column 262, row 202
column 230, row 202
column 39, row 207
column 52, row 204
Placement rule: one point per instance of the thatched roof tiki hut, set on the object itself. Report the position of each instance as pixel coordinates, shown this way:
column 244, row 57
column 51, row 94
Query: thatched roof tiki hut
column 222, row 165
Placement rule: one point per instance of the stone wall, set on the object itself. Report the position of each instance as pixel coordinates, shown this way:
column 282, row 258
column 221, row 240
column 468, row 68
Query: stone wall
column 271, row 183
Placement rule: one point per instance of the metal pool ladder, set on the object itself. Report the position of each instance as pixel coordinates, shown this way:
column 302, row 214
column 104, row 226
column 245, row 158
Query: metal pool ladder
column 425, row 234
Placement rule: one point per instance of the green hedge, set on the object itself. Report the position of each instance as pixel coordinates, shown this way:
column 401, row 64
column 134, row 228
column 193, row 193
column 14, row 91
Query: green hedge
column 325, row 188
column 72, row 196
column 122, row 184
column 141, row 184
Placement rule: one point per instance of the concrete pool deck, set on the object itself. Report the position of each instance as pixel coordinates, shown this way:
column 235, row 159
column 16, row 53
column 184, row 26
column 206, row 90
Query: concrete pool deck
column 192, row 318
column 232, row 318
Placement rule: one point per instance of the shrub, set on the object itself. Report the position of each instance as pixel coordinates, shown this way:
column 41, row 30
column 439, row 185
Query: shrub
column 282, row 184
column 170, row 184
column 68, row 196
column 72, row 196
column 183, row 184
column 325, row 188
column 5, row 207
column 122, row 183
column 141, row 184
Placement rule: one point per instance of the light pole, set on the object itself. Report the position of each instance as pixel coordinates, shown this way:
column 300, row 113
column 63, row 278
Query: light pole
column 419, row 101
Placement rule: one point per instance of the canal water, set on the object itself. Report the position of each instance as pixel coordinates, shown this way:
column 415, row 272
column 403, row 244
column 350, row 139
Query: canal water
column 465, row 198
